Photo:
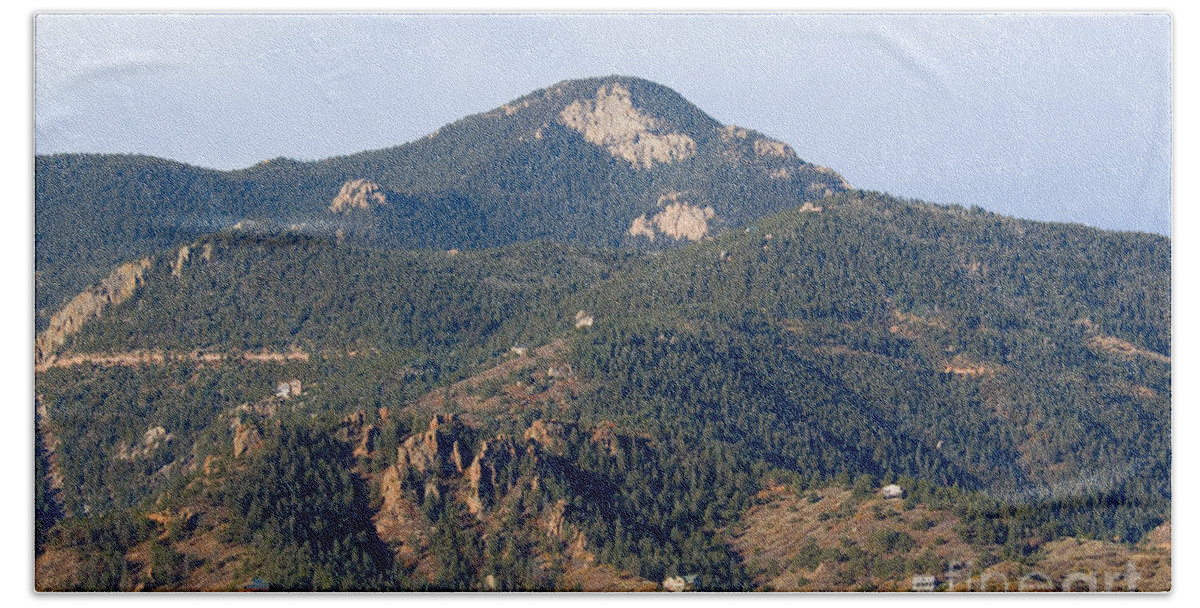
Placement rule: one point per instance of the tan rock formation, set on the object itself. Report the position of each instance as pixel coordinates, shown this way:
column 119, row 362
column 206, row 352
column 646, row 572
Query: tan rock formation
column 246, row 437
column 113, row 289
column 358, row 194
column 642, row 226
column 732, row 132
column 551, row 435
column 770, row 147
column 583, row 319
column 484, row 476
column 678, row 219
column 612, row 122
column 359, row 433
column 437, row 450
column 398, row 521
column 605, row 437
column 152, row 439
column 681, row 220
column 180, row 260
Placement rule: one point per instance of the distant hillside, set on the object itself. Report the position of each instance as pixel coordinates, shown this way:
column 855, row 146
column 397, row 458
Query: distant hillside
column 603, row 161
column 1023, row 366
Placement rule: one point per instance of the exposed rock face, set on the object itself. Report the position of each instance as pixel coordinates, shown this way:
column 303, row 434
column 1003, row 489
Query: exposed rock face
column 435, row 451
column 553, row 518
column 678, row 219
column 583, row 319
column 551, row 435
column 113, row 289
column 154, row 437
column 486, row 475
column 681, row 220
column 827, row 171
column 604, row 436
column 358, row 194
column 612, row 122
column 356, row 431
column 398, row 520
column 1117, row 346
column 641, row 226
column 733, row 132
column 246, row 437
column 180, row 260
column 770, row 147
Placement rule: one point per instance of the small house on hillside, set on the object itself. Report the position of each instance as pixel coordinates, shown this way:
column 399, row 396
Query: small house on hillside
column 892, row 491
column 520, row 349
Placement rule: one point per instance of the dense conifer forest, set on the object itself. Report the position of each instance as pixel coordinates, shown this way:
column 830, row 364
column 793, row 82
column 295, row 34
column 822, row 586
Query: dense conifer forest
column 469, row 388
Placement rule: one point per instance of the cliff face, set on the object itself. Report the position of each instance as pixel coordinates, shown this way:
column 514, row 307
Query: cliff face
column 435, row 452
column 498, row 479
column 113, row 289
column 486, row 475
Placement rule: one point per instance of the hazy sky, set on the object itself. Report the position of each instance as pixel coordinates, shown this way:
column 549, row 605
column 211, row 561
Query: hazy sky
column 1061, row 117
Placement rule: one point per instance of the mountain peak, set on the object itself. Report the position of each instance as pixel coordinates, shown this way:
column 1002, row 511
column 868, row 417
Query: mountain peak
column 610, row 120
column 654, row 100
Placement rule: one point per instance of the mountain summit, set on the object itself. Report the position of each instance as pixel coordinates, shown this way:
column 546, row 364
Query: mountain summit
column 479, row 361
column 615, row 161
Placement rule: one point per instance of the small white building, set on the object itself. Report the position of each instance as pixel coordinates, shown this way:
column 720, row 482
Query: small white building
column 520, row 349
column 892, row 491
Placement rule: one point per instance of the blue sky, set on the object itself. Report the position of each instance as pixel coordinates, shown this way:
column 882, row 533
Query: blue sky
column 1059, row 117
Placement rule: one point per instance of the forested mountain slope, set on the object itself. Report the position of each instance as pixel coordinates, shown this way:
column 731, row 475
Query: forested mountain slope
column 589, row 340
column 1023, row 366
column 602, row 161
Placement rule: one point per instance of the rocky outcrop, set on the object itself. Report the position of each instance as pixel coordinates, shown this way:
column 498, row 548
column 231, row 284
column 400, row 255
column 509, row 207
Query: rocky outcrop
column 398, row 521
column 604, row 436
column 487, row 476
column 770, row 147
column 612, row 122
column 153, row 438
column 184, row 256
column 185, row 252
column 358, row 194
column 1123, row 348
column 359, row 433
column 678, row 219
column 550, row 435
column 113, row 289
column 641, row 227
column 681, row 220
column 246, row 437
column 436, row 451
column 583, row 319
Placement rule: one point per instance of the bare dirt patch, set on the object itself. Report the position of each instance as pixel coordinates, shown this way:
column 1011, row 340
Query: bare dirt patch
column 1122, row 348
